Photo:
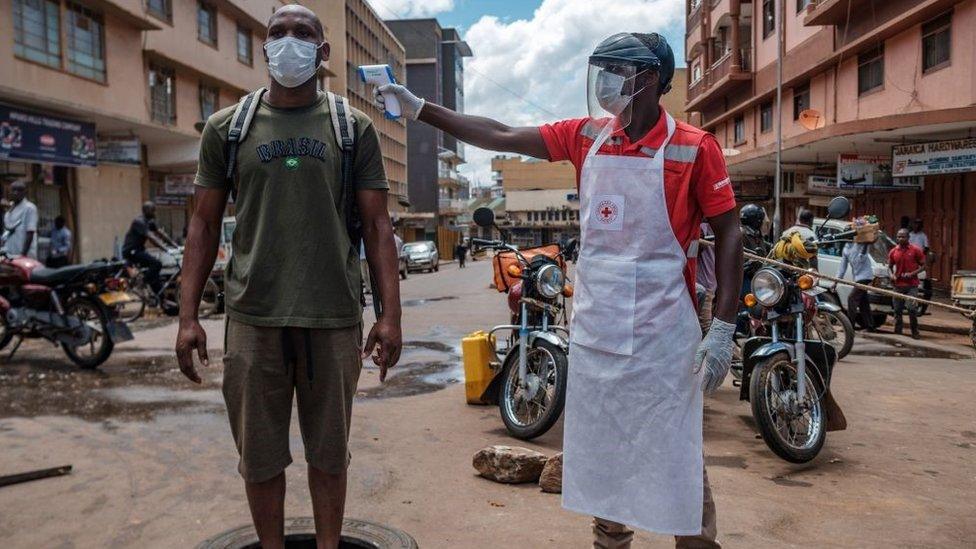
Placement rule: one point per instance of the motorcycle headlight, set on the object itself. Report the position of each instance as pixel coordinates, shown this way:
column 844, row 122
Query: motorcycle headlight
column 550, row 280
column 768, row 286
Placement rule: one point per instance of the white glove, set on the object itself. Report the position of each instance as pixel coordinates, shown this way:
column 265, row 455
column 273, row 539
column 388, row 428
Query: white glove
column 715, row 354
column 410, row 104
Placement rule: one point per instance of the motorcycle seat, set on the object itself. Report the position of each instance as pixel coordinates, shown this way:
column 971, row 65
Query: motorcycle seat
column 53, row 277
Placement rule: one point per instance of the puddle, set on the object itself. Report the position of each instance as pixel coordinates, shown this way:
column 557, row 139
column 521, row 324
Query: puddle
column 425, row 366
column 784, row 481
column 734, row 462
column 890, row 348
column 420, row 302
column 145, row 394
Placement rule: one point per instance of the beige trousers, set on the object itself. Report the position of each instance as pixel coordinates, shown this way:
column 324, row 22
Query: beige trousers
column 613, row 535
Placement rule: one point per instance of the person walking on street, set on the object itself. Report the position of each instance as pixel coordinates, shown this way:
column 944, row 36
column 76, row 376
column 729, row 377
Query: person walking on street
column 856, row 256
column 906, row 260
column 460, row 253
column 918, row 237
column 60, row 244
column 638, row 365
column 293, row 301
column 143, row 229
column 21, row 222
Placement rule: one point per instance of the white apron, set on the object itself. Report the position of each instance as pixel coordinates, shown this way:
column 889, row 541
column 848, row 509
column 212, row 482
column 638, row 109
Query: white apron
column 633, row 427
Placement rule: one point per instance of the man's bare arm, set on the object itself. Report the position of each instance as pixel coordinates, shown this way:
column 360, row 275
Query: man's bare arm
column 203, row 237
column 728, row 264
column 28, row 240
column 485, row 133
column 381, row 254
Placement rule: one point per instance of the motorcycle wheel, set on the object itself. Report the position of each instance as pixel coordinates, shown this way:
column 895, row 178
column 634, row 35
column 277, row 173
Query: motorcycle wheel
column 770, row 390
column 5, row 335
column 95, row 316
column 526, row 420
column 838, row 331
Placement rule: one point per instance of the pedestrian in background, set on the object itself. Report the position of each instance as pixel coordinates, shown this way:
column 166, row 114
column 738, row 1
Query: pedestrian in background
column 60, row 244
column 856, row 256
column 906, row 260
column 460, row 252
column 705, row 277
column 918, row 237
column 21, row 221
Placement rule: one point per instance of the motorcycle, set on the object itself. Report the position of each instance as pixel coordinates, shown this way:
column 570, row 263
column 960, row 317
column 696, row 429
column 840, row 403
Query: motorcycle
column 168, row 297
column 68, row 306
column 529, row 375
column 786, row 374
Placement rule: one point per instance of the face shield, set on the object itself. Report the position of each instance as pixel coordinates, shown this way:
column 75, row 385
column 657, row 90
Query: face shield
column 610, row 90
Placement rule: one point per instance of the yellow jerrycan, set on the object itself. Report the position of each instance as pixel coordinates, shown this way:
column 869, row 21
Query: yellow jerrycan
column 478, row 350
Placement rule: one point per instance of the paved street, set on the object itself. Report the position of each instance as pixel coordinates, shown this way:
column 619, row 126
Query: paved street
column 154, row 463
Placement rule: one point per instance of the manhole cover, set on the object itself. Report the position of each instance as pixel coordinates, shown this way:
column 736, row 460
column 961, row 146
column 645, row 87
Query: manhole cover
column 300, row 534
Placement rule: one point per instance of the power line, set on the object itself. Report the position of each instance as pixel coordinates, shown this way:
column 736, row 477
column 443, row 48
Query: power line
column 514, row 93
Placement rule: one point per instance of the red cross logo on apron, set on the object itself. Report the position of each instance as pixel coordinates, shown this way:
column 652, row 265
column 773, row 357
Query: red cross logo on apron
column 607, row 212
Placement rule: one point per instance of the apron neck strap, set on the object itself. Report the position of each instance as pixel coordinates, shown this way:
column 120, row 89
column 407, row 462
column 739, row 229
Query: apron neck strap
column 607, row 130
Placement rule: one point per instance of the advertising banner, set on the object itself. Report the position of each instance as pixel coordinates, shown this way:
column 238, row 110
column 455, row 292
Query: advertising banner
column 178, row 184
column 120, row 150
column 952, row 156
column 863, row 171
column 38, row 137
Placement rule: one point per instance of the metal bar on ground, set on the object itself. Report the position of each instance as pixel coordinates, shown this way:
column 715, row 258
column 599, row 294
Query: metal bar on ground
column 7, row 480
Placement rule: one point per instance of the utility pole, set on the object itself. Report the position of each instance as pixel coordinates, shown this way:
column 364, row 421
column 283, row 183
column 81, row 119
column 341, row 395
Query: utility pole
column 778, row 181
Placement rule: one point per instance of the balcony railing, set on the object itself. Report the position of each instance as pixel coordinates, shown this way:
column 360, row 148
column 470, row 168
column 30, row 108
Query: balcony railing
column 696, row 88
column 452, row 205
column 694, row 18
column 720, row 69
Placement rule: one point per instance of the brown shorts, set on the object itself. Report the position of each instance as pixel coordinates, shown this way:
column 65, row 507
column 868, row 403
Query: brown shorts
column 263, row 368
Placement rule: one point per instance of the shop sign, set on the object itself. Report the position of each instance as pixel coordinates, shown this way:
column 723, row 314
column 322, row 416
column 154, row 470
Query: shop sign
column 952, row 156
column 170, row 200
column 864, row 171
column 38, row 137
column 827, row 185
column 178, row 184
column 120, row 150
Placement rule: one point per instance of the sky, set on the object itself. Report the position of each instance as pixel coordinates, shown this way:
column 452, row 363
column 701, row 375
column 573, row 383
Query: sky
column 529, row 63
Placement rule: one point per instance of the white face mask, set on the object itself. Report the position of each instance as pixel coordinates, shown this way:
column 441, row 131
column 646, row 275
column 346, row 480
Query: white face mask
column 609, row 92
column 291, row 61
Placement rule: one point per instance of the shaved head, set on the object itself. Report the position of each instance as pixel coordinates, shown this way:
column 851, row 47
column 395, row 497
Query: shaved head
column 298, row 10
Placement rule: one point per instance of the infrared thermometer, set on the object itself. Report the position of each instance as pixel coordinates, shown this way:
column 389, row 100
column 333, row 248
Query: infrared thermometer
column 379, row 75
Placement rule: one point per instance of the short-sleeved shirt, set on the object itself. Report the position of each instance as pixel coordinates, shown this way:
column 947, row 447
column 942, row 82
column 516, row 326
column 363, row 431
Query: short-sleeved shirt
column 696, row 183
column 20, row 220
column 293, row 263
column 905, row 260
column 919, row 239
column 60, row 242
column 135, row 237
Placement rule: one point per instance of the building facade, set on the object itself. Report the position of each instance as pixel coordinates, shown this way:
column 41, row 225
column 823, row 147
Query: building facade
column 872, row 93
column 435, row 71
column 541, row 201
column 99, row 103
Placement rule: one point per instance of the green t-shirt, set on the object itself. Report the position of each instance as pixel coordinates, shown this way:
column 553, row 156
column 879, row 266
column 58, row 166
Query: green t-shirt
column 293, row 263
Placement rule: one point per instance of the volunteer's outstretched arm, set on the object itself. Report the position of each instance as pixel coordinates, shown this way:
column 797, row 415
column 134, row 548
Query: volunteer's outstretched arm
column 479, row 131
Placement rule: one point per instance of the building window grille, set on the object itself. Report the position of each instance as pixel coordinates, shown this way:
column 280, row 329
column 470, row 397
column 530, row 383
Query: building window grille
column 801, row 100
column 739, row 129
column 936, row 42
column 768, row 17
column 161, row 9
column 766, row 117
column 37, row 31
column 208, row 101
column 162, row 95
column 86, row 43
column 245, row 53
column 206, row 24
column 870, row 70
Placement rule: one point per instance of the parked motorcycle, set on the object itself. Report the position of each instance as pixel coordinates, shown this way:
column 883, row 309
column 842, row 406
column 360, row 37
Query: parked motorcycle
column 529, row 383
column 786, row 374
column 168, row 297
column 66, row 306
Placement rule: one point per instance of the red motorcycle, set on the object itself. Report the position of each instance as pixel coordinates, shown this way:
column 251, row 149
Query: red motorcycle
column 66, row 306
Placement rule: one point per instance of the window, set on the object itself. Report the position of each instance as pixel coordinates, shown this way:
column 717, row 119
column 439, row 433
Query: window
column 37, row 31
column 802, row 4
column 244, row 44
column 162, row 94
column 206, row 24
column 766, row 117
column 696, row 72
column 801, row 100
column 208, row 101
column 870, row 70
column 161, row 9
column 86, row 45
column 768, row 17
column 739, row 130
column 936, row 46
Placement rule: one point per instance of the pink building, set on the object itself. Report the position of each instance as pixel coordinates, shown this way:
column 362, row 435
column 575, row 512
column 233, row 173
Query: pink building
column 889, row 85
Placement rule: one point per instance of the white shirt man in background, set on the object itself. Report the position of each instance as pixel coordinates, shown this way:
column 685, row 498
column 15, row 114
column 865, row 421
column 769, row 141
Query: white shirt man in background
column 21, row 221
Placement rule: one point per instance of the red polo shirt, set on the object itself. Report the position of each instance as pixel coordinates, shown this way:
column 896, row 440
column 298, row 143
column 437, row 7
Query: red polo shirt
column 905, row 260
column 696, row 182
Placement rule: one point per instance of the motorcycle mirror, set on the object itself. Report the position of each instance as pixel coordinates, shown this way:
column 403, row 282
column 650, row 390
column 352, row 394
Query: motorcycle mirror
column 839, row 208
column 484, row 217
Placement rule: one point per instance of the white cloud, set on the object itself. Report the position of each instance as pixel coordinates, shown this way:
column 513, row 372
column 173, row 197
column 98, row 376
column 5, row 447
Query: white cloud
column 544, row 60
column 403, row 9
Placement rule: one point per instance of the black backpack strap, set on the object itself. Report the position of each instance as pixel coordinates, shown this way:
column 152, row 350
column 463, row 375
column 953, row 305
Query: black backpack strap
column 239, row 124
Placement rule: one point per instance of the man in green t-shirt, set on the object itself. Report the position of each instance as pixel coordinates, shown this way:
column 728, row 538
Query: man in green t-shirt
column 293, row 283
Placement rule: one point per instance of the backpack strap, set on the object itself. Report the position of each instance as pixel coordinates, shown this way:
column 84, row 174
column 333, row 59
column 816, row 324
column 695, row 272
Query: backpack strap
column 239, row 124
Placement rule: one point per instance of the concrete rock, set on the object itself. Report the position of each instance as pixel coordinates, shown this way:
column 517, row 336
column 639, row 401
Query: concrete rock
column 509, row 464
column 551, row 479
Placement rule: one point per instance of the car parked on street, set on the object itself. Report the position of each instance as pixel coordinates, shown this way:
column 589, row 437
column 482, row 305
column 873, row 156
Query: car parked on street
column 422, row 256
column 828, row 263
